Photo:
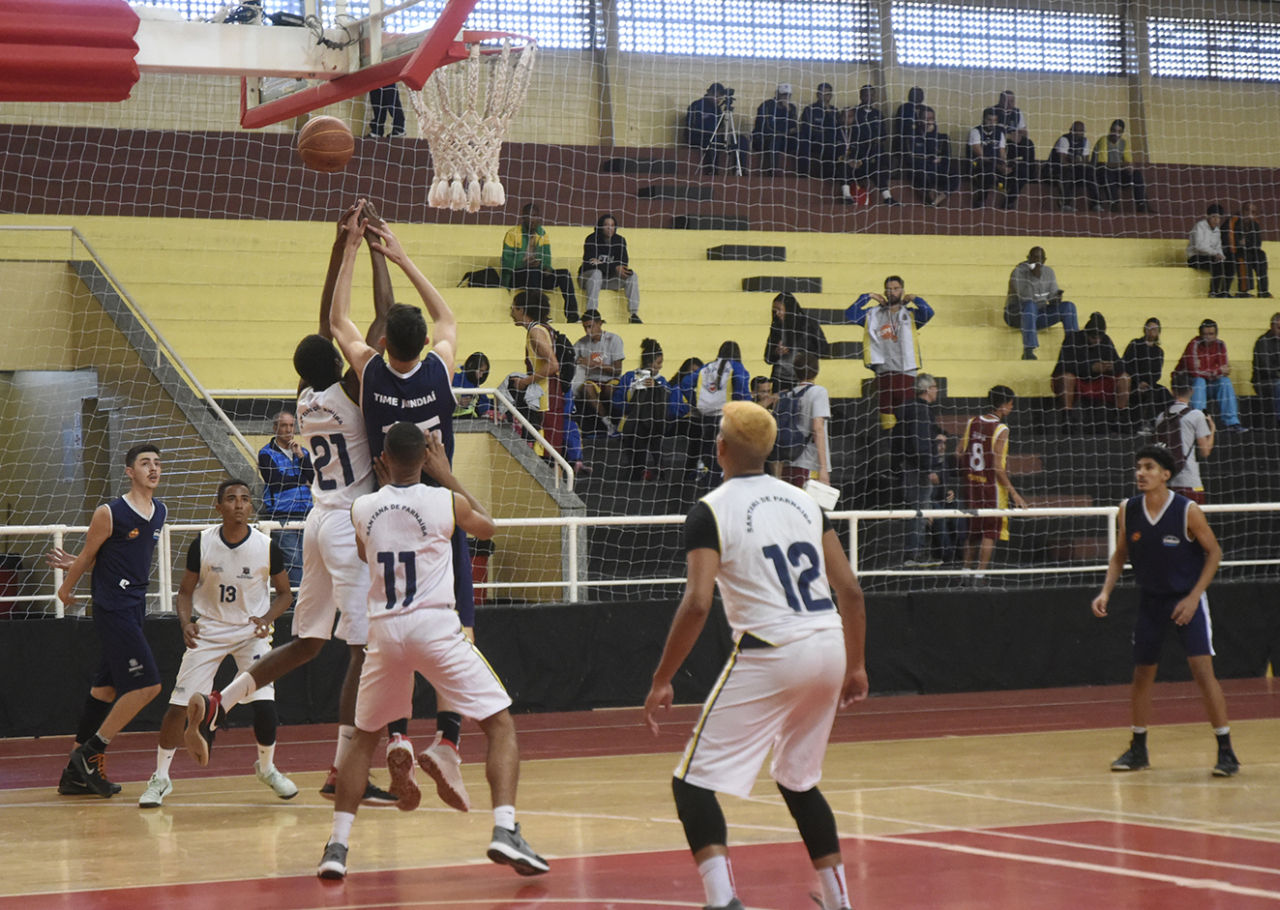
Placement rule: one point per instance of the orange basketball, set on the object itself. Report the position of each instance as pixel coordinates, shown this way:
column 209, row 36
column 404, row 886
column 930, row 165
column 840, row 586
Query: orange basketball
column 326, row 144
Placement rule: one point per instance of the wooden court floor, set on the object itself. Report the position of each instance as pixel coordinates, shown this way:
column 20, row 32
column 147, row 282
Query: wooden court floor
column 995, row 801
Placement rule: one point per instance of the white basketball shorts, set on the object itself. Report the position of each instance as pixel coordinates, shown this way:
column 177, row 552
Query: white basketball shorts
column 333, row 580
column 216, row 641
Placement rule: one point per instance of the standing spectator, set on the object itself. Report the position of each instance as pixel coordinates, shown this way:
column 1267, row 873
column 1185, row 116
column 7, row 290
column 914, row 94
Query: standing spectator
column 383, row 103
column 763, row 392
column 1205, row 360
column 647, row 401
column 605, row 264
column 814, row 407
column 777, row 130
column 1113, row 163
column 526, row 261
column 1144, row 362
column 818, row 124
column 538, row 391
column 990, row 166
column 704, row 128
column 906, row 122
column 1069, row 169
column 473, row 375
column 862, row 155
column 1020, row 151
column 1205, row 252
column 1266, row 366
column 983, row 453
column 1195, row 438
column 792, row 332
column 1090, row 369
column 890, row 347
column 1242, row 244
column 600, row 356
column 929, row 158
column 722, row 380
column 287, row 473
column 920, row 464
column 1034, row 302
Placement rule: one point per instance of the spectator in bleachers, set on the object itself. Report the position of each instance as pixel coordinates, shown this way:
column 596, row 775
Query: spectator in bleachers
column 1090, row 369
column 928, row 156
column 1206, row 362
column 1266, row 366
column 792, row 331
column 818, row 124
column 647, row 401
column 538, row 392
column 1069, row 169
column 890, row 347
column 682, row 382
column 1019, row 150
column 906, row 122
column 1113, row 163
column 383, row 103
column 763, row 392
column 526, row 261
column 605, row 264
column 1242, row 245
column 473, row 375
column 814, row 462
column 920, row 464
column 600, row 355
column 287, row 473
column 1197, row 435
column 720, row 380
column 1205, row 252
column 860, row 153
column 776, row 132
column 990, row 167
column 1144, row 362
column 705, row 126
column 1035, row 302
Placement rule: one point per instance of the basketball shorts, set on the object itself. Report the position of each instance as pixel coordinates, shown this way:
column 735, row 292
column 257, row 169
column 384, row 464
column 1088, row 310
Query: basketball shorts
column 781, row 698
column 127, row 662
column 334, row 580
column 217, row 641
column 983, row 496
column 1154, row 620
column 427, row 641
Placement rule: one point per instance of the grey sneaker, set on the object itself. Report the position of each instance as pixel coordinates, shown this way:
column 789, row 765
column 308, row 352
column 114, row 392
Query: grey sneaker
column 333, row 864
column 281, row 785
column 157, row 789
column 509, row 848
column 441, row 761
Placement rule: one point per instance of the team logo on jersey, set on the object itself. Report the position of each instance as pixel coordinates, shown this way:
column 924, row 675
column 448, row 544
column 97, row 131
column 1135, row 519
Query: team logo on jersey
column 244, row 572
column 135, row 668
column 1135, row 536
column 132, row 534
column 1170, row 540
column 155, row 535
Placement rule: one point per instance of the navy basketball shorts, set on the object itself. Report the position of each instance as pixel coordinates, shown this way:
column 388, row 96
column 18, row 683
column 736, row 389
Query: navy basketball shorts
column 1155, row 612
column 127, row 661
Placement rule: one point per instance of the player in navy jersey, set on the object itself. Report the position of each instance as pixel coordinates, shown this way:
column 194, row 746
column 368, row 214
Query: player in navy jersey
column 119, row 546
column 1175, row 555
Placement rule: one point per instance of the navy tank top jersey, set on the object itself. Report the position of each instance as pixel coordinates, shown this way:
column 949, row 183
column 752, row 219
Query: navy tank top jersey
column 1164, row 559
column 122, row 571
column 424, row 396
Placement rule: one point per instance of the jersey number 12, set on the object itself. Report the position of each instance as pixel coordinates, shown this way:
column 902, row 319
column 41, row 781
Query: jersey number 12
column 801, row 553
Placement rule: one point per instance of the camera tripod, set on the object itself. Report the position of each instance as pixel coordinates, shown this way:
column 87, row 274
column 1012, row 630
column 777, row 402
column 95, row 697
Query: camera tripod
column 724, row 137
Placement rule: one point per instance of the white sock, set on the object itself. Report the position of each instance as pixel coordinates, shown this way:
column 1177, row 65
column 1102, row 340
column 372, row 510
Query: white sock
column 835, row 894
column 885, row 194
column 341, row 827
column 164, row 758
column 240, row 688
column 505, row 817
column 345, row 733
column 1221, row 731
column 717, row 880
column 1138, row 729
column 266, row 755
column 845, row 191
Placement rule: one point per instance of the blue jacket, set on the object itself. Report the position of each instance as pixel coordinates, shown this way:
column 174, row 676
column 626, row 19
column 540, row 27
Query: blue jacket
column 287, row 482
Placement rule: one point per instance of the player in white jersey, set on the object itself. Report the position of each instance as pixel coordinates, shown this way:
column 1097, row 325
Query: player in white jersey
column 234, row 589
column 777, row 561
column 404, row 533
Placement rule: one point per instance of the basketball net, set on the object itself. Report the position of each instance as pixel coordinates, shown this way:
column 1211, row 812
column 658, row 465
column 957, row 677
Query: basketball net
column 465, row 141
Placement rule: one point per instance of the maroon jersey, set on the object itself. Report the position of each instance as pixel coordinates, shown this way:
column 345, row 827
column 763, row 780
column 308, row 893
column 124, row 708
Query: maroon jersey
column 978, row 461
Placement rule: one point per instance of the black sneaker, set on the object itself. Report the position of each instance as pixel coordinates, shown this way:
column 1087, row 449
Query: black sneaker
column 1134, row 759
column 374, row 797
column 1228, row 765
column 91, row 768
column 204, row 714
column 333, row 865
column 70, row 784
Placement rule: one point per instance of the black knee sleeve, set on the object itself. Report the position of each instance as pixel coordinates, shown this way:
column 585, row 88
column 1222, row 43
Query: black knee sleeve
column 265, row 721
column 92, row 715
column 699, row 812
column 814, row 820
column 400, row 726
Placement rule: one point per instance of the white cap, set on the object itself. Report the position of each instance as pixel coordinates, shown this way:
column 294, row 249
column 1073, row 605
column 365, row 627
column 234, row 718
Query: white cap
column 784, row 88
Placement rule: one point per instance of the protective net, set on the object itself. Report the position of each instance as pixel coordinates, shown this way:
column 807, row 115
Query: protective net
column 743, row 149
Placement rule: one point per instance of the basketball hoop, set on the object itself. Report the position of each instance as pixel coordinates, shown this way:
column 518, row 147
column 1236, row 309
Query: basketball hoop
column 464, row 110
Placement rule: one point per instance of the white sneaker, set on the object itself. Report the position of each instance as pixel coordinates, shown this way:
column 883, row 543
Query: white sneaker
column 400, row 764
column 157, row 789
column 442, row 762
column 283, row 787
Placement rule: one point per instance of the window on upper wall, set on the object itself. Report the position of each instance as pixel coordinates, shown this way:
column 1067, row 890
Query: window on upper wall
column 1214, row 49
column 951, row 35
column 783, row 29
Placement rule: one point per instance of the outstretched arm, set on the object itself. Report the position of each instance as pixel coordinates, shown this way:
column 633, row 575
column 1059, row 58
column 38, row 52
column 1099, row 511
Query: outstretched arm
column 344, row 330
column 383, row 294
column 444, row 325
column 331, row 277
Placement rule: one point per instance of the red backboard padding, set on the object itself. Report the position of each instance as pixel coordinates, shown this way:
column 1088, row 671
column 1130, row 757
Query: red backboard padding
column 67, row 50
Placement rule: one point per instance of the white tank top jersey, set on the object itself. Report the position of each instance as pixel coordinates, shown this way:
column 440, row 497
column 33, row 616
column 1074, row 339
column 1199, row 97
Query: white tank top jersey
column 772, row 578
column 235, row 582
column 332, row 428
column 406, row 532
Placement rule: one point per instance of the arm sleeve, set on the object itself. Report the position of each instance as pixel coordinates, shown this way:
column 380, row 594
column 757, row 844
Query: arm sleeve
column 510, row 253
column 271, row 474
column 588, row 250
column 193, row 556
column 307, row 471
column 857, row 313
column 622, row 244
column 921, row 311
column 276, row 561
column 700, row 529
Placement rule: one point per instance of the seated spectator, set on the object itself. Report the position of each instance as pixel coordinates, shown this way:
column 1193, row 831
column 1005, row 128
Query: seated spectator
column 1090, row 370
column 1266, row 366
column 860, row 154
column 1069, row 169
column 776, row 133
column 1204, row 251
column 906, row 122
column 1242, row 245
column 1113, row 163
column 709, row 128
column 818, row 124
column 1206, row 363
column 1034, row 302
column 682, row 383
column 918, row 459
column 600, row 356
column 473, row 375
column 792, row 331
column 890, row 347
column 720, row 380
column 605, row 264
column 929, row 159
column 1019, row 150
column 526, row 261
column 991, row 168
column 814, row 405
column 647, row 402
column 1144, row 362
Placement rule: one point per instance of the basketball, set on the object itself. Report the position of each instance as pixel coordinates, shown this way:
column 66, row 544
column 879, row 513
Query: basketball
column 326, row 144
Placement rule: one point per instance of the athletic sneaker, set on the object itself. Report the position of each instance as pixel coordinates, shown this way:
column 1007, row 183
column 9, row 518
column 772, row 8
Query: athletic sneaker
column 70, row 784
column 334, row 862
column 157, row 789
column 509, row 848
column 400, row 764
column 374, row 797
column 283, row 787
column 734, row 904
column 1134, row 759
column 204, row 713
column 91, row 767
column 442, row 762
column 1228, row 765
